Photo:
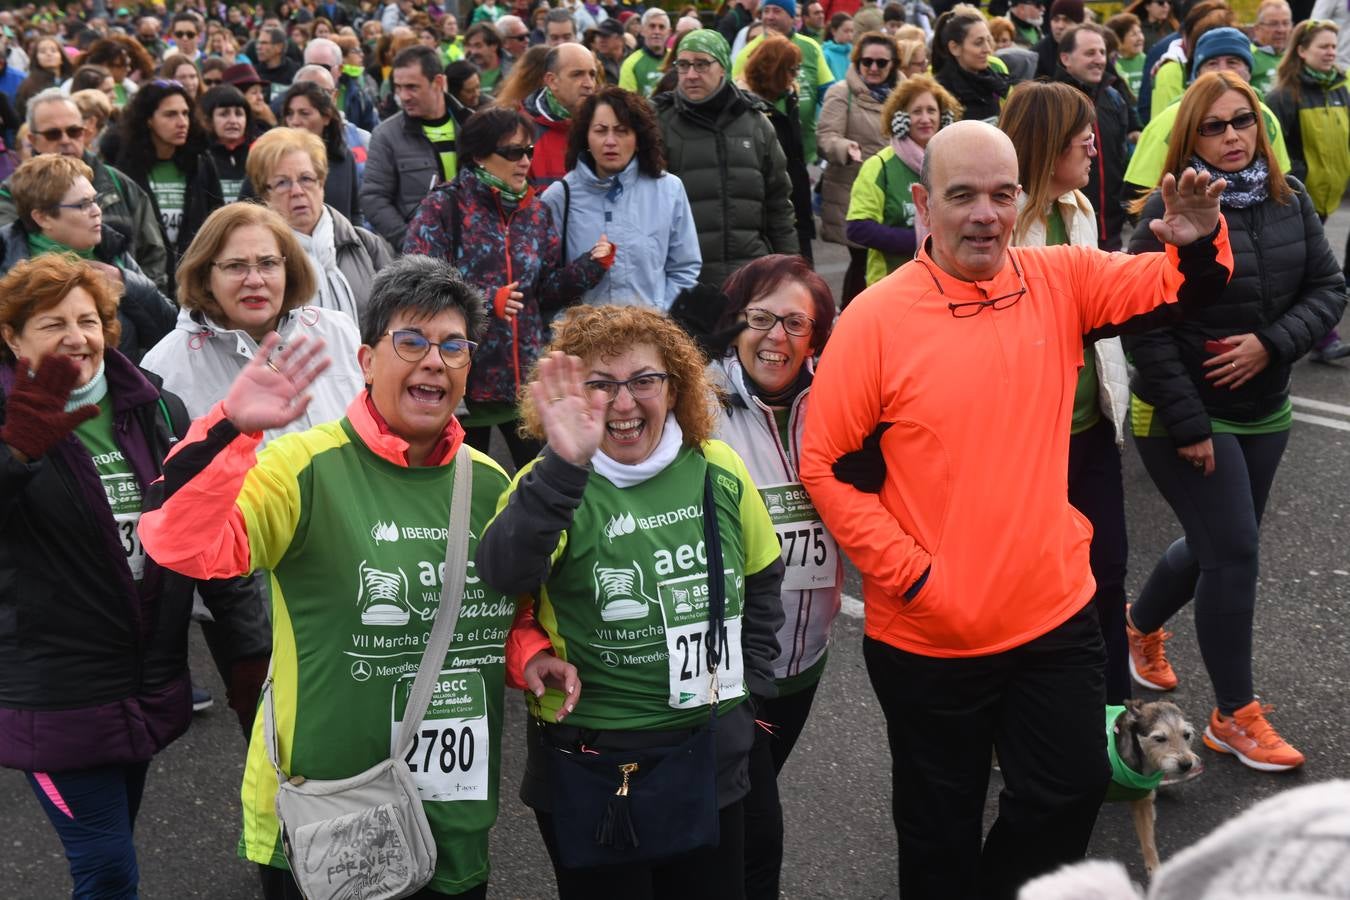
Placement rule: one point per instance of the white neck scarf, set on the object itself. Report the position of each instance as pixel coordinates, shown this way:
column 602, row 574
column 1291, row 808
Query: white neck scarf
column 625, row 476
column 334, row 291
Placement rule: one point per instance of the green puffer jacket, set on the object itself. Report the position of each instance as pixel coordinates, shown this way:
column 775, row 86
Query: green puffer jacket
column 1316, row 127
column 735, row 174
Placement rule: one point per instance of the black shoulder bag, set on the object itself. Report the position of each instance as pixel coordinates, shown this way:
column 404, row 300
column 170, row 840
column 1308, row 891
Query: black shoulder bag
column 637, row 806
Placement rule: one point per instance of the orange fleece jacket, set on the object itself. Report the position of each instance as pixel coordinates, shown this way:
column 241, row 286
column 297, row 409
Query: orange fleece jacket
column 977, row 456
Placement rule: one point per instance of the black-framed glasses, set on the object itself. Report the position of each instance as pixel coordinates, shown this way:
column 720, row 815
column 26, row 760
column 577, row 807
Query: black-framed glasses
column 186, row 35
column 413, row 346
column 701, row 66
column 871, row 62
column 85, row 206
column 74, row 132
column 795, row 324
column 513, row 153
column 640, row 387
column 212, row 82
column 1215, row 127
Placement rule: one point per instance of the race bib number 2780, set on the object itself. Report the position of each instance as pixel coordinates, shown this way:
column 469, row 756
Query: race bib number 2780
column 449, row 753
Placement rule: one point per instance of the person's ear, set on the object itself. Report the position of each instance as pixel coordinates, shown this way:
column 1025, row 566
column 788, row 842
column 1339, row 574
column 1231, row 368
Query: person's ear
column 953, row 48
column 919, row 193
column 43, row 219
column 365, row 357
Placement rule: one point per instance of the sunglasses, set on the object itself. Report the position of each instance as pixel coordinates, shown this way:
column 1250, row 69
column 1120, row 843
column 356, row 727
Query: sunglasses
column 871, row 62
column 1216, row 127
column 211, row 82
column 185, row 35
column 73, row 132
column 515, row 154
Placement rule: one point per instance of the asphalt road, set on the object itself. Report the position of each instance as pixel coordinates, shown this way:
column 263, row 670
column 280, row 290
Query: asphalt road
column 836, row 787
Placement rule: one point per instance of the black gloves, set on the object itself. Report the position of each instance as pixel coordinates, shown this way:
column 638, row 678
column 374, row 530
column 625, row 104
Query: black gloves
column 864, row 468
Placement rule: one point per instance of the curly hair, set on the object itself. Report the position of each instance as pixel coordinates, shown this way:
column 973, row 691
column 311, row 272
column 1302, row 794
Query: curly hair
column 771, row 69
column 632, row 112
column 36, row 285
column 136, row 153
column 909, row 90
column 604, row 332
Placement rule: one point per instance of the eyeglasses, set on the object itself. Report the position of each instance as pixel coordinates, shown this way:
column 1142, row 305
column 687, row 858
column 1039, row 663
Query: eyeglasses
column 238, row 269
column 185, row 35
column 701, row 66
column 795, row 324
column 872, row 62
column 512, row 153
column 74, row 132
column 1088, row 143
column 515, row 37
column 284, row 185
column 1216, row 127
column 411, row 346
column 212, row 82
column 1004, row 301
column 86, row 206
column 640, row 387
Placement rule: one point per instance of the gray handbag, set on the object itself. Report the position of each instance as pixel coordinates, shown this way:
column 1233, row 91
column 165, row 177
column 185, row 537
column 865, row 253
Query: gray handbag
column 366, row 837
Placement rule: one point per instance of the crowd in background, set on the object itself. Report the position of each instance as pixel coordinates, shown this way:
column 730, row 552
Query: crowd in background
column 242, row 175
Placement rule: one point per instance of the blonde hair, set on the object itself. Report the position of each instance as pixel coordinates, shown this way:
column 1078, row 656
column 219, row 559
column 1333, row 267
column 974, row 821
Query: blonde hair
column 93, row 105
column 604, row 332
column 1203, row 93
column 909, row 90
column 1040, row 118
column 194, row 272
column 275, row 145
column 41, row 182
column 1291, row 64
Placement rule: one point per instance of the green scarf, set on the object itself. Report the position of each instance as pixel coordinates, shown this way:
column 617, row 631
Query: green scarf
column 555, row 109
column 1325, row 79
column 499, row 186
column 354, row 71
column 39, row 243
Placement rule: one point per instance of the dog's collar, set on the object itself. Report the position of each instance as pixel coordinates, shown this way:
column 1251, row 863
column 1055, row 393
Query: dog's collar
column 1121, row 773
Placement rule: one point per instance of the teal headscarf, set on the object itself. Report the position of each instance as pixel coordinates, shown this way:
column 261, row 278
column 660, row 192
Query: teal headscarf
column 705, row 40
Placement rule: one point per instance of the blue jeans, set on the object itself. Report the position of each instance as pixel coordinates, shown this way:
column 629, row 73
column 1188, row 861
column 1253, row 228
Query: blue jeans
column 94, row 812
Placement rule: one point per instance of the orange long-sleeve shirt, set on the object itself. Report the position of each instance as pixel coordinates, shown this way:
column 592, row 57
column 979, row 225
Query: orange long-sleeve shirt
column 977, row 455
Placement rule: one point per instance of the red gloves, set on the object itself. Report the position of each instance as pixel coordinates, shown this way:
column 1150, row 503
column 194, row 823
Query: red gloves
column 36, row 419
column 608, row 259
column 499, row 300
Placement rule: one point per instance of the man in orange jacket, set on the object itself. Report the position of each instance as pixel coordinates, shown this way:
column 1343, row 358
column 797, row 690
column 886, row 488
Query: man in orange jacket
column 980, row 632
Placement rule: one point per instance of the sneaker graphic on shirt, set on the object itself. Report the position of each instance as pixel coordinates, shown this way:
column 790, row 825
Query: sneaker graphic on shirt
column 619, row 593
column 382, row 596
column 682, row 603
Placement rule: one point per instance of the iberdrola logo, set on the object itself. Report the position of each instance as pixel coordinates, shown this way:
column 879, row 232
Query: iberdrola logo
column 384, row 532
column 619, row 525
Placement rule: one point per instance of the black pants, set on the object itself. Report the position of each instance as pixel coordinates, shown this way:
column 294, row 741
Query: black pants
column 277, row 884
column 716, row 873
column 1040, row 705
column 522, row 449
column 1096, row 491
column 763, row 811
column 855, row 276
column 1218, row 560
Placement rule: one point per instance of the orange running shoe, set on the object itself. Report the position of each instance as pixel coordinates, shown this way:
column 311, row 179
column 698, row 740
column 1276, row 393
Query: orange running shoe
column 1148, row 658
column 1248, row 736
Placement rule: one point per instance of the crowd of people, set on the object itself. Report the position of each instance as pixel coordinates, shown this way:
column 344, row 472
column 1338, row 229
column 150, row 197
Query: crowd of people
column 272, row 277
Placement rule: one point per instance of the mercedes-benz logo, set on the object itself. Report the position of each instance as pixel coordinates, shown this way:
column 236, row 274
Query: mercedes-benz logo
column 609, row 658
column 361, row 670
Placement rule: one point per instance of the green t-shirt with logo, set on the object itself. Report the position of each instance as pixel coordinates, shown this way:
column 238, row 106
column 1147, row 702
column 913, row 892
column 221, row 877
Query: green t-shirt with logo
column 641, row 72
column 119, row 482
column 441, row 133
column 627, row 598
column 355, row 546
column 168, row 183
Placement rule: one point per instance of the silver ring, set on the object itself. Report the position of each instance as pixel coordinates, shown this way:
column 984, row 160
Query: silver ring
column 553, row 400
column 1234, row 365
column 273, row 366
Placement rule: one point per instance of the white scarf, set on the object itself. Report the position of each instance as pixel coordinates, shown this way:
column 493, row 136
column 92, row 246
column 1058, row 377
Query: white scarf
column 334, row 291
column 625, row 476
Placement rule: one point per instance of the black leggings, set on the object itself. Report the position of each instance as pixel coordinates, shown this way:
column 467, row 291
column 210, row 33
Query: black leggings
column 1096, row 491
column 1217, row 561
column 763, row 811
column 522, row 449
column 714, row 873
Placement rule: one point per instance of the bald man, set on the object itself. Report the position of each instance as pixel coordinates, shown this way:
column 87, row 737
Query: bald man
column 980, row 633
column 570, row 76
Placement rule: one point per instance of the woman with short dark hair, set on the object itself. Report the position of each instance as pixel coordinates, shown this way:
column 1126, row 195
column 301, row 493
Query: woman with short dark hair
column 490, row 225
column 617, row 182
column 229, row 123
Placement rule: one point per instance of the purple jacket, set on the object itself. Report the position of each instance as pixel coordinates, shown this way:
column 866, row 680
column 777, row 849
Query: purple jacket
column 93, row 667
column 465, row 222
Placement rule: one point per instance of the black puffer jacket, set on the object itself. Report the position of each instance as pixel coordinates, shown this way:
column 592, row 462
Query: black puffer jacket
column 1286, row 288
column 727, row 154
column 1106, row 180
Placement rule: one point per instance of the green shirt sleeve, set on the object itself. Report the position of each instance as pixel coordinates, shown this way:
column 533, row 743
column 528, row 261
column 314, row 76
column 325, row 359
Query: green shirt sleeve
column 761, row 541
column 738, row 65
column 867, row 200
column 271, row 499
column 628, row 73
column 1168, row 86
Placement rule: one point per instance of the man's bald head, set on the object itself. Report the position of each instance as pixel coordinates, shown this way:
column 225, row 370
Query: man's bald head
column 570, row 73
column 967, row 196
